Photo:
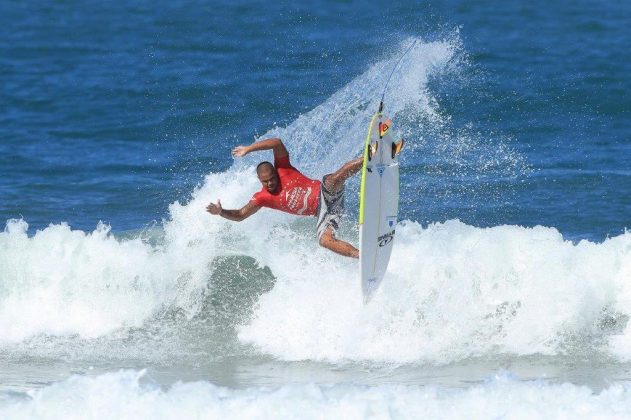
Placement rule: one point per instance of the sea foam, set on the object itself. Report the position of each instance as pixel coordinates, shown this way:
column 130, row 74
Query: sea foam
column 452, row 291
column 123, row 395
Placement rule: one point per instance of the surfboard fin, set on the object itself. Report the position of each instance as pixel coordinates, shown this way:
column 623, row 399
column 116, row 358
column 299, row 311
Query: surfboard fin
column 372, row 149
column 396, row 148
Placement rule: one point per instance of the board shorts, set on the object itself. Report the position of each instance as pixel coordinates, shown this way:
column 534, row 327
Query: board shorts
column 330, row 209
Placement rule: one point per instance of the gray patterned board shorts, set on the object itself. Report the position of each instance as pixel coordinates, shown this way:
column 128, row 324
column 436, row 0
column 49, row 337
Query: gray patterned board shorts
column 330, row 209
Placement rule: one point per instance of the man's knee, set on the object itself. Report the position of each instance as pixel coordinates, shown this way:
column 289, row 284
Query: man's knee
column 330, row 182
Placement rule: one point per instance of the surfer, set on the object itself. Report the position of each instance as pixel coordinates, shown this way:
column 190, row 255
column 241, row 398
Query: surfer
column 288, row 190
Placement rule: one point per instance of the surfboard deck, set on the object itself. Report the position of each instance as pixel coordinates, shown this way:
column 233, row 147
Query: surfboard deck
column 378, row 203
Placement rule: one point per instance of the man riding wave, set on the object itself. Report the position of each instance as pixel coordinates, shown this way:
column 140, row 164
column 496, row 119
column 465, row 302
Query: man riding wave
column 288, row 190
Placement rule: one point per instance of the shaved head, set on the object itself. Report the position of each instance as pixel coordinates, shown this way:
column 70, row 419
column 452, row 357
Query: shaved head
column 264, row 167
column 268, row 176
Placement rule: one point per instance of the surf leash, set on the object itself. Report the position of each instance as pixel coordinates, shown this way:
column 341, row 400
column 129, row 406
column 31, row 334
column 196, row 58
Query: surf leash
column 392, row 72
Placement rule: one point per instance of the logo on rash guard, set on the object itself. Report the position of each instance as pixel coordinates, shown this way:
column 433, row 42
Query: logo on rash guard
column 297, row 196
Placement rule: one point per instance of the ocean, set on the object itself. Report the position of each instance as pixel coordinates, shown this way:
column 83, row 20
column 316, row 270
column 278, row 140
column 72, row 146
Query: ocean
column 508, row 294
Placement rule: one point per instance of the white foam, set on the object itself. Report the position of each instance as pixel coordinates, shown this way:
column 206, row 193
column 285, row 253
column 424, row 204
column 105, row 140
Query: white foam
column 61, row 281
column 452, row 291
column 123, row 396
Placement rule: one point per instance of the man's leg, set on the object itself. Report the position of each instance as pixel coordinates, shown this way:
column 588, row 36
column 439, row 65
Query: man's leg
column 335, row 181
column 328, row 241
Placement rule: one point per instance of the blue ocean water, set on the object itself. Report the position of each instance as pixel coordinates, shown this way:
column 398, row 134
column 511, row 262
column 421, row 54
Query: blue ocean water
column 508, row 288
column 113, row 112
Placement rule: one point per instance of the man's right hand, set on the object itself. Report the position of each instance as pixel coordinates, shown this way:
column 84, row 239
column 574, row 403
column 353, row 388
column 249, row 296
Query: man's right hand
column 274, row 144
column 213, row 208
column 240, row 151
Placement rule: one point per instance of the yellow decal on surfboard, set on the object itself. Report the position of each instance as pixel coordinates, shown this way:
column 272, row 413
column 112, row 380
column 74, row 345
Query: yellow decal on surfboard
column 362, row 187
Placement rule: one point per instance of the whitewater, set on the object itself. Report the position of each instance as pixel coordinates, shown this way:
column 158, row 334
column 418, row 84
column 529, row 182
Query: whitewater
column 201, row 317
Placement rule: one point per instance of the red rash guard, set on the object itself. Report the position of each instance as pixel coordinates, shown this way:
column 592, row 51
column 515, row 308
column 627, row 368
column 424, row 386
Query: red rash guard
column 296, row 194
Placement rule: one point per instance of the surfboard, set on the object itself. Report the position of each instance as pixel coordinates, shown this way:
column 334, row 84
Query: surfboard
column 378, row 202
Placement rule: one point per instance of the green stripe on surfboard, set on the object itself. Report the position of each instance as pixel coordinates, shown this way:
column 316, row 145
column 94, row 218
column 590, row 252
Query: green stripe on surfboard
column 362, row 188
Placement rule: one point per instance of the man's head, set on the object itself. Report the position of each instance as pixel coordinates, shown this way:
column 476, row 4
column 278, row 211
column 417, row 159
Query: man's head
column 268, row 176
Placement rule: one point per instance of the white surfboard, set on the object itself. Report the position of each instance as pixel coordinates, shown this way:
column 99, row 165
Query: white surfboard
column 378, row 202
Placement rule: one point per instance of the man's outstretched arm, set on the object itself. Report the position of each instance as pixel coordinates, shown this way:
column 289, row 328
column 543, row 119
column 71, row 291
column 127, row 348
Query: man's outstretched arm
column 234, row 215
column 274, row 144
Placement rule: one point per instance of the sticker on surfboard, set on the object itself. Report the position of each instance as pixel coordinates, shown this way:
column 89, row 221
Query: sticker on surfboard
column 383, row 127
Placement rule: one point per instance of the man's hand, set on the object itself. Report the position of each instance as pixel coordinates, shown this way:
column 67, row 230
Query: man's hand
column 234, row 215
column 214, row 208
column 240, row 151
column 274, row 144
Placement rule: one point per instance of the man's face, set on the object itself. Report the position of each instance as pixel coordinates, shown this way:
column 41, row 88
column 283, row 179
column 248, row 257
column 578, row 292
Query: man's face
column 269, row 179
